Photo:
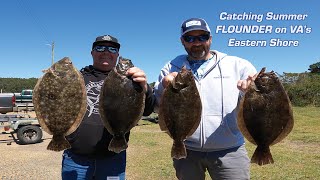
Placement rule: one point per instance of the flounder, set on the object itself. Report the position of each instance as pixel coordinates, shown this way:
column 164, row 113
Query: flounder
column 265, row 116
column 180, row 111
column 121, row 104
column 59, row 99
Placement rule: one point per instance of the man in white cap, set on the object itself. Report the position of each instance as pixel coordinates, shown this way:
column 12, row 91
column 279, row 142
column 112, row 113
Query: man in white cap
column 217, row 145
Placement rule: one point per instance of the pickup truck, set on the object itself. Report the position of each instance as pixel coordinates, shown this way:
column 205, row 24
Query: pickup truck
column 24, row 97
column 14, row 102
column 7, row 102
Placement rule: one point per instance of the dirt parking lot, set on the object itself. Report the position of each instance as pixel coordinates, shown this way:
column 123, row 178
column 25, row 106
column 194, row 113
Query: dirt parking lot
column 31, row 161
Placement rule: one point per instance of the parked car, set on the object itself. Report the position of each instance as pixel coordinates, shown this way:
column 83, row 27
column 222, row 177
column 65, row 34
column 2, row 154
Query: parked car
column 7, row 102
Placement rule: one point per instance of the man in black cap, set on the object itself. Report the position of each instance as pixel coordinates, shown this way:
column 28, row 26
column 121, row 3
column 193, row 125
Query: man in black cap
column 89, row 157
column 217, row 145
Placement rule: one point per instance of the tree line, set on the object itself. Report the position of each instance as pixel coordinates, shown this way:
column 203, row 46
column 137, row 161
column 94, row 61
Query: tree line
column 16, row 85
column 303, row 88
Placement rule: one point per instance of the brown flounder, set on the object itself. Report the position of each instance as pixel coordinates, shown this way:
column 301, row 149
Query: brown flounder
column 121, row 104
column 59, row 99
column 265, row 116
column 180, row 111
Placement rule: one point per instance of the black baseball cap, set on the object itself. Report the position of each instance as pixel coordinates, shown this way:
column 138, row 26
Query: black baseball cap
column 106, row 38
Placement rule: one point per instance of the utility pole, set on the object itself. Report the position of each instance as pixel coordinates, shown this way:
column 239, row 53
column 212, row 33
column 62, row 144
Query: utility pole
column 52, row 52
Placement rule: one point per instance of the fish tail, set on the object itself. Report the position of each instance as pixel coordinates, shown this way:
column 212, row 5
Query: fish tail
column 262, row 155
column 178, row 150
column 118, row 144
column 58, row 143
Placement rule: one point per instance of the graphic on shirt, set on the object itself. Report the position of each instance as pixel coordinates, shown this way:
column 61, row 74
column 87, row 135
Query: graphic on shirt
column 93, row 94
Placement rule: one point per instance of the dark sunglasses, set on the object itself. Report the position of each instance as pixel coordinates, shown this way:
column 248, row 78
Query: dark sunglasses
column 201, row 38
column 111, row 49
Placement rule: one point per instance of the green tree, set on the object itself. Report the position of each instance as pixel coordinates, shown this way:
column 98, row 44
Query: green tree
column 152, row 84
column 314, row 68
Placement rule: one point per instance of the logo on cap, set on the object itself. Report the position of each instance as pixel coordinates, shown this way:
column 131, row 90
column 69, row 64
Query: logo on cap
column 106, row 38
column 193, row 23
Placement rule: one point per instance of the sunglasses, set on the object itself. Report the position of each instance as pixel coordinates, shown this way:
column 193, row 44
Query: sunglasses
column 111, row 49
column 201, row 38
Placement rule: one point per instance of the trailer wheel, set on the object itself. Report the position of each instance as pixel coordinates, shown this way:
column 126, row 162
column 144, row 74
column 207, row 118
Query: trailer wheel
column 29, row 134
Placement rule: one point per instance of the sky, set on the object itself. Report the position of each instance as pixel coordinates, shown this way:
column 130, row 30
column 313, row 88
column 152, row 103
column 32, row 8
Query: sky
column 149, row 32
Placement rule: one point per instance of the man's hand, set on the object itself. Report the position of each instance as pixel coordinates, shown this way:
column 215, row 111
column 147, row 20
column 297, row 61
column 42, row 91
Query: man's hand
column 244, row 84
column 138, row 76
column 168, row 78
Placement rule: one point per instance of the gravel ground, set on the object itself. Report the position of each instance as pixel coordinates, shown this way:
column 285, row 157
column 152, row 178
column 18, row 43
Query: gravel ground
column 31, row 161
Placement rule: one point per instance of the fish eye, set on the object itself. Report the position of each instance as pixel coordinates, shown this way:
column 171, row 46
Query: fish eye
column 51, row 96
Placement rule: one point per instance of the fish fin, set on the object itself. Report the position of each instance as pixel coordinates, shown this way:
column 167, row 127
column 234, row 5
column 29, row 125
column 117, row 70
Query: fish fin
column 261, row 72
column 242, row 125
column 287, row 129
column 118, row 144
column 255, row 76
column 41, row 119
column 162, row 123
column 196, row 124
column 262, row 155
column 49, row 70
column 82, row 110
column 43, row 125
column 178, row 150
column 45, row 70
column 58, row 143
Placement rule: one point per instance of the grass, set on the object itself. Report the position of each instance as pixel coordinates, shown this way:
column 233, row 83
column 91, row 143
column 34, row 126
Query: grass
column 296, row 157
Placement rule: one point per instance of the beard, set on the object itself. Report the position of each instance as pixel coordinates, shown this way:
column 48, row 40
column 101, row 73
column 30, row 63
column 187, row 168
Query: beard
column 197, row 52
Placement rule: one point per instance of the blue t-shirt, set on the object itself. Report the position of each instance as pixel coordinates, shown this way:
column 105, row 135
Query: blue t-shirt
column 198, row 67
